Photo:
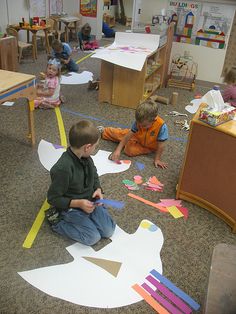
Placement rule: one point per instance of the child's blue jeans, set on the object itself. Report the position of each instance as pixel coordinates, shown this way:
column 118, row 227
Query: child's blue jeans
column 85, row 228
column 72, row 66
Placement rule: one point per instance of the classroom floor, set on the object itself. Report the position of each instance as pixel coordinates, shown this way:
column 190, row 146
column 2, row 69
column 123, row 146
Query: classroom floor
column 188, row 244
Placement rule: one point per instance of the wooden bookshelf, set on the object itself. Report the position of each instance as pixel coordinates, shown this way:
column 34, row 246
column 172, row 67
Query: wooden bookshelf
column 126, row 87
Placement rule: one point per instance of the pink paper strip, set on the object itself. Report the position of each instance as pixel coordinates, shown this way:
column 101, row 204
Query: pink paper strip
column 161, row 300
column 171, row 296
column 184, row 211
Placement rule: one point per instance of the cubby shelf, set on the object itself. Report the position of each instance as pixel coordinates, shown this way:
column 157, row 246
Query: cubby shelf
column 126, row 87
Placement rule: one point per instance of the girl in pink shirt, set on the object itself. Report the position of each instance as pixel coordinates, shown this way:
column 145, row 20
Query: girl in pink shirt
column 49, row 92
column 229, row 93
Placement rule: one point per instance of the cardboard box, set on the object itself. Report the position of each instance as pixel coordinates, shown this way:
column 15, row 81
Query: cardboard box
column 215, row 118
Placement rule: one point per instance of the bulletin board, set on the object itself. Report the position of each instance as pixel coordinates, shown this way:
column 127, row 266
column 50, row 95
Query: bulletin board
column 199, row 23
column 88, row 8
column 37, row 8
column 55, row 6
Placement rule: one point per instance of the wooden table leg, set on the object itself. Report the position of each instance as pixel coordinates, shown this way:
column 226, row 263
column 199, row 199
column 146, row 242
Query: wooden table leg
column 31, row 134
column 34, row 42
column 46, row 41
column 66, row 32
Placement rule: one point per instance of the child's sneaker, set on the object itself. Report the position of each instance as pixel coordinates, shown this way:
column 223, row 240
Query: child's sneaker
column 100, row 128
column 52, row 215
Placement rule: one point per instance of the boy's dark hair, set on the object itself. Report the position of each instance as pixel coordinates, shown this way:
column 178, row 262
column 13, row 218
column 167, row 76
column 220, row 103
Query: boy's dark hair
column 57, row 44
column 146, row 111
column 230, row 75
column 82, row 133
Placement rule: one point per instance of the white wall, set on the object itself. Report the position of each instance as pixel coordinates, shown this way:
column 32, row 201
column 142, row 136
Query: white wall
column 210, row 61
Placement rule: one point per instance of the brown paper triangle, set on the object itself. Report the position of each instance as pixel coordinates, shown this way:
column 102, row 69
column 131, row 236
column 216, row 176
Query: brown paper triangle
column 110, row 266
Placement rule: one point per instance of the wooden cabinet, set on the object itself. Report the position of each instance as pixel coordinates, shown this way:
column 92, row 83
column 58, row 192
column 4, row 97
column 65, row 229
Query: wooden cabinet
column 8, row 53
column 208, row 174
column 126, row 87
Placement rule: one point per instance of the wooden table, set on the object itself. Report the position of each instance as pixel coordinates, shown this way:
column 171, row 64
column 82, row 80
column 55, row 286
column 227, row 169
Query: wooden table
column 15, row 85
column 34, row 31
column 8, row 53
column 221, row 291
column 66, row 20
column 208, row 173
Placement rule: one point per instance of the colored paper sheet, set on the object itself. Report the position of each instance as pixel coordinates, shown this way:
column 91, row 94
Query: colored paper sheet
column 170, row 202
column 175, row 212
column 169, row 295
column 145, row 201
column 154, row 304
column 87, row 280
column 161, row 300
column 112, row 267
column 184, row 296
column 184, row 211
column 111, row 203
column 129, row 50
column 139, row 165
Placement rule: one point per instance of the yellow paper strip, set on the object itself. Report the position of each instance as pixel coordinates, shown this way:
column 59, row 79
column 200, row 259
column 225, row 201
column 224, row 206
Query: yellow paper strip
column 175, row 212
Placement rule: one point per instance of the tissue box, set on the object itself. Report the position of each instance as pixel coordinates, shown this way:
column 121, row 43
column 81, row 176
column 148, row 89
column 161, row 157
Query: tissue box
column 215, row 118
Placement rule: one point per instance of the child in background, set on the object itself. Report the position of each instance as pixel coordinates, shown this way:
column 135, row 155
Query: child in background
column 229, row 93
column 48, row 91
column 85, row 38
column 75, row 185
column 147, row 134
column 107, row 31
column 62, row 51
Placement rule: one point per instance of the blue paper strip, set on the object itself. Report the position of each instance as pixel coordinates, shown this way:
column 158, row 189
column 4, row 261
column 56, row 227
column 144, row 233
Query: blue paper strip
column 175, row 289
column 139, row 165
column 111, row 203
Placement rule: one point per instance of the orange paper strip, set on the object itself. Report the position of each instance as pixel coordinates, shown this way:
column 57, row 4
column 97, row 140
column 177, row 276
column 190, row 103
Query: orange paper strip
column 154, row 304
column 147, row 202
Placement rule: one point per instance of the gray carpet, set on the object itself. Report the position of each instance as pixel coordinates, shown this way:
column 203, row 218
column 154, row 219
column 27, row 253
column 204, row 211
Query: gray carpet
column 188, row 244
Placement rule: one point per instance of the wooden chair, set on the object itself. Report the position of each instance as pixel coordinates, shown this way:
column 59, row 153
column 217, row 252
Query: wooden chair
column 57, row 29
column 51, row 32
column 74, row 27
column 21, row 45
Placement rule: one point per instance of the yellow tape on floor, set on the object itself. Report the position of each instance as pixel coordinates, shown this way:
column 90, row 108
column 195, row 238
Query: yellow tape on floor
column 36, row 226
column 82, row 59
column 40, row 217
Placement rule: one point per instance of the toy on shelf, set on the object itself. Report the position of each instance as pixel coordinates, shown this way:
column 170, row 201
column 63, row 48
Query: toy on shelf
column 183, row 72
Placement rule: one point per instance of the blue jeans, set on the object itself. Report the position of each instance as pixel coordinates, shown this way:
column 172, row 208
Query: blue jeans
column 72, row 66
column 85, row 228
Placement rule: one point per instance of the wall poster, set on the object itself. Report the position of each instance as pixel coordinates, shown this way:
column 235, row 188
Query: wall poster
column 88, row 8
column 37, row 8
column 205, row 24
column 55, row 6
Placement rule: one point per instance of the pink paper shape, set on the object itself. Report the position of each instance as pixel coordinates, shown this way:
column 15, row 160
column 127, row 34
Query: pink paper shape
column 184, row 211
column 170, row 202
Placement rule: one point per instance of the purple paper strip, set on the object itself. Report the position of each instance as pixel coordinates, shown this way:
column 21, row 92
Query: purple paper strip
column 57, row 146
column 161, row 300
column 171, row 296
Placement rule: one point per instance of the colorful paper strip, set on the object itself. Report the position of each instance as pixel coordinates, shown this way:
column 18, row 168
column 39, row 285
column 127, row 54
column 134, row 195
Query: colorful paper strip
column 175, row 289
column 154, row 304
column 171, row 296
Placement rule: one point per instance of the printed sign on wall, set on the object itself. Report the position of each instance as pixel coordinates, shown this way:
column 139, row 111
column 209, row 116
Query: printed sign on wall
column 88, row 8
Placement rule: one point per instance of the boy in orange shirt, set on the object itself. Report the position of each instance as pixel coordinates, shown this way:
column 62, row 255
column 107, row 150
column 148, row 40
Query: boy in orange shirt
column 147, row 134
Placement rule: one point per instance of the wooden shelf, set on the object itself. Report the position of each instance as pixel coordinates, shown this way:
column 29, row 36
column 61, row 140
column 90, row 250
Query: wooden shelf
column 126, row 87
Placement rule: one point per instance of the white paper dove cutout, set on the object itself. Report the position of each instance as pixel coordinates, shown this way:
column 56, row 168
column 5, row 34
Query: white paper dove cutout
column 77, row 78
column 195, row 105
column 49, row 155
column 90, row 284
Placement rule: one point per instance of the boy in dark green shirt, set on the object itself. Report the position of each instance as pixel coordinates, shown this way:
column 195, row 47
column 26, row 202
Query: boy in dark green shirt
column 75, row 184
